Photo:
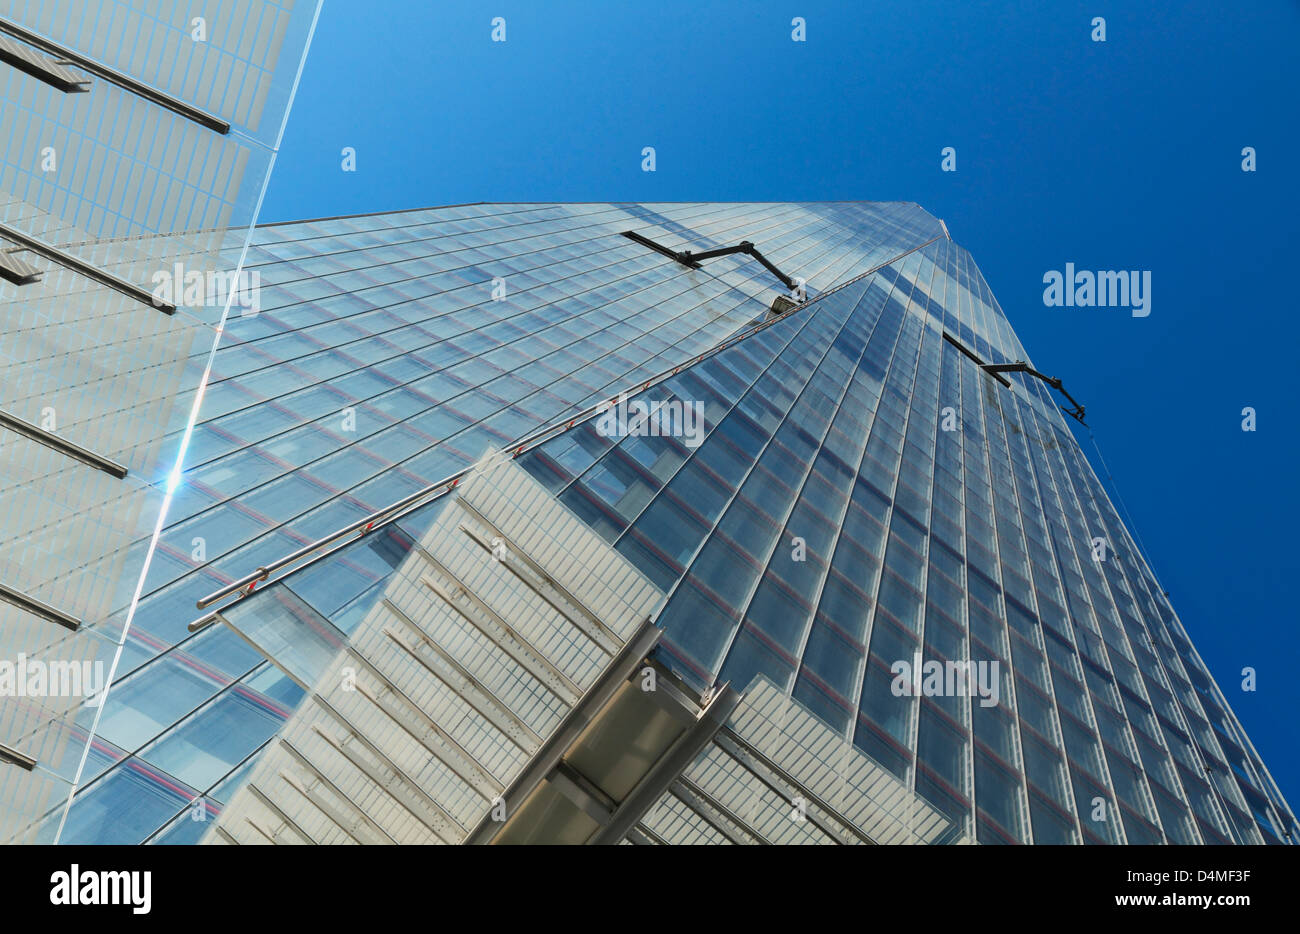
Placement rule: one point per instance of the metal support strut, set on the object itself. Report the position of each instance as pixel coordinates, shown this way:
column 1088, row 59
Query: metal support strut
column 693, row 260
column 1020, row 366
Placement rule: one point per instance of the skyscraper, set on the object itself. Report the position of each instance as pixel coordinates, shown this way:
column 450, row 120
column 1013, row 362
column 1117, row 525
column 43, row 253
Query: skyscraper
column 138, row 140
column 656, row 523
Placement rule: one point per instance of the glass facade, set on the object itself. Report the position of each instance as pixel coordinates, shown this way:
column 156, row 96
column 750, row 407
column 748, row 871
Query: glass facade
column 864, row 494
column 143, row 162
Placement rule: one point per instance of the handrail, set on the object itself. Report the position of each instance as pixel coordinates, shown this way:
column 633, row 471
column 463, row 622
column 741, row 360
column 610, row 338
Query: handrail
column 362, row 527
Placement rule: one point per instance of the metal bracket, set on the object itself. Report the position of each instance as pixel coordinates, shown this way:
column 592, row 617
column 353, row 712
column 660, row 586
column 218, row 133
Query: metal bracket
column 1020, row 366
column 693, row 260
column 14, row 757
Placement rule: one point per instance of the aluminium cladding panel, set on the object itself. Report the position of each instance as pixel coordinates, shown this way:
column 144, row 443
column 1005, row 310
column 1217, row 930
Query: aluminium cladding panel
column 442, row 698
column 530, row 518
column 723, row 798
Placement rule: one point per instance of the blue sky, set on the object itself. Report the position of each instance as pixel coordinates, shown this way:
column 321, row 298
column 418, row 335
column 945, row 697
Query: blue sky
column 1117, row 155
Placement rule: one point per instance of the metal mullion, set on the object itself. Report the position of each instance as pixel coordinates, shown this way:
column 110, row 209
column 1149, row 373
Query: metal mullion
column 951, row 283
column 996, row 512
column 1035, row 499
column 776, row 355
column 1039, row 474
column 771, row 775
column 500, row 718
column 1159, row 822
column 307, row 764
column 467, row 764
column 929, row 334
column 595, row 629
column 739, row 485
column 963, row 389
column 924, row 329
column 986, row 421
column 329, row 812
column 373, row 773
column 1197, row 753
column 586, row 470
column 952, row 271
column 715, row 814
column 781, row 522
column 511, row 642
column 860, row 676
column 848, row 497
column 271, row 806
